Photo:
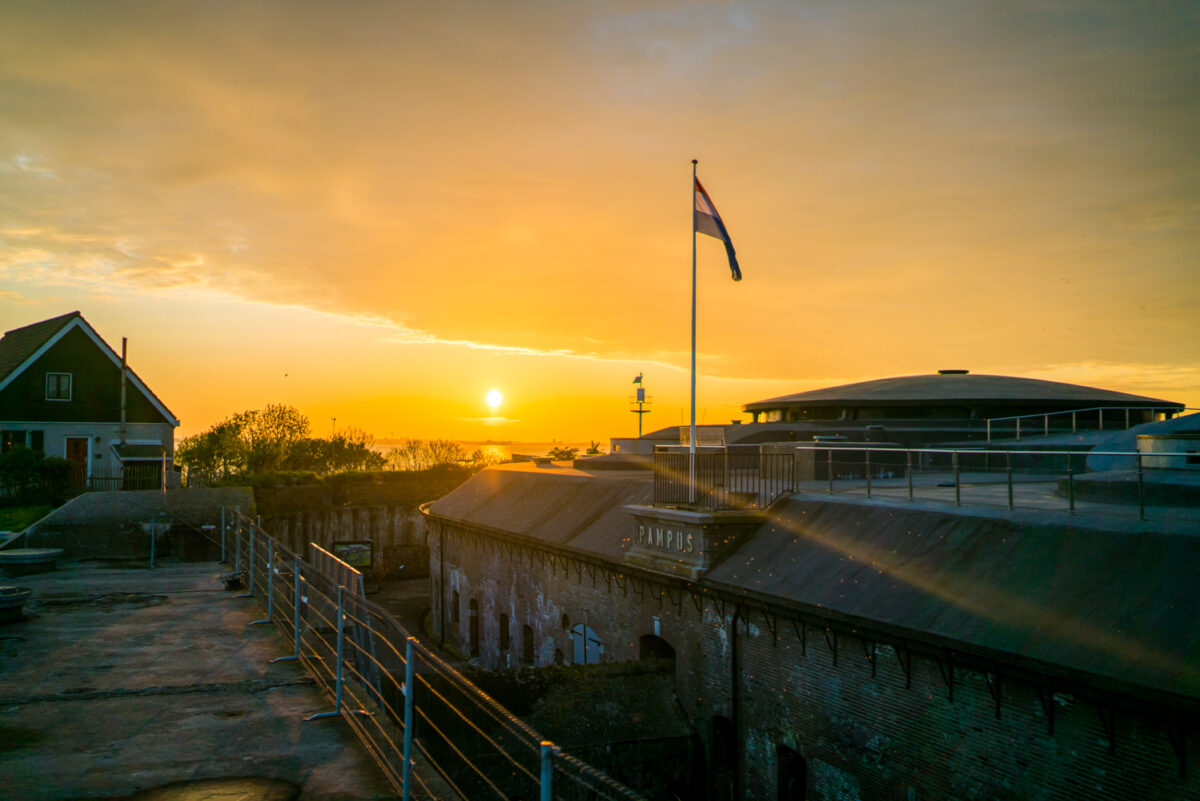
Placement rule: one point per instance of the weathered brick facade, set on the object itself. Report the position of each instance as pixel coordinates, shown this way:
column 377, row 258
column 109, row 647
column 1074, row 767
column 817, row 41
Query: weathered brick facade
column 871, row 714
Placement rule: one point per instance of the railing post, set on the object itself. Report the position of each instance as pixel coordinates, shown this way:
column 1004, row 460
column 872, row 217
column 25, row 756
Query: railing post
column 1008, row 470
column 867, row 468
column 153, row 536
column 249, row 593
column 270, row 583
column 957, row 481
column 237, row 539
column 1073, row 430
column 222, row 532
column 1126, row 417
column 829, row 468
column 341, row 631
column 1101, row 418
column 1070, row 483
column 908, row 469
column 1018, row 429
column 989, row 431
column 547, row 771
column 295, row 614
column 1046, row 425
column 409, row 703
column 1141, row 490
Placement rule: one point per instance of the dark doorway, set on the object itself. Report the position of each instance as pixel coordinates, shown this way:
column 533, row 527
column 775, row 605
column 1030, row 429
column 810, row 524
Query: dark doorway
column 473, row 627
column 721, row 758
column 792, row 772
column 651, row 646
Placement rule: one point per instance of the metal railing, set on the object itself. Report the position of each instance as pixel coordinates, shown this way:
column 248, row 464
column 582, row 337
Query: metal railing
column 1095, row 413
column 432, row 733
column 725, row 478
column 753, row 479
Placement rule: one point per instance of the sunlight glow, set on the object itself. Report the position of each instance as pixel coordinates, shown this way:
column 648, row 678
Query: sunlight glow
column 494, row 398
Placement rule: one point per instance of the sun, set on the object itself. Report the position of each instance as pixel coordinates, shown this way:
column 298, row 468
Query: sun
column 494, row 398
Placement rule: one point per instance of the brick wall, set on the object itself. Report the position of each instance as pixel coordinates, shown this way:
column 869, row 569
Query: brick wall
column 891, row 736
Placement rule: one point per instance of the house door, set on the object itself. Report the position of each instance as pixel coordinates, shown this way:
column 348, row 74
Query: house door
column 77, row 455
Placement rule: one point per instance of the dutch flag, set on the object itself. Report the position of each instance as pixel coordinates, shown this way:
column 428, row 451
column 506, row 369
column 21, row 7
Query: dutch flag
column 706, row 220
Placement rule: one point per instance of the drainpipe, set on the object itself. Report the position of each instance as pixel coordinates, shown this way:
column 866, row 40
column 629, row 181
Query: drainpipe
column 733, row 703
column 123, row 373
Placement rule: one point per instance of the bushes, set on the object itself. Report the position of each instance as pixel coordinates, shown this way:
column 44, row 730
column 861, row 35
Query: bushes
column 28, row 477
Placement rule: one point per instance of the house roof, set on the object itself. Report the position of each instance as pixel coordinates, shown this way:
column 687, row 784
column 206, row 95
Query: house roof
column 20, row 344
column 957, row 387
column 21, row 347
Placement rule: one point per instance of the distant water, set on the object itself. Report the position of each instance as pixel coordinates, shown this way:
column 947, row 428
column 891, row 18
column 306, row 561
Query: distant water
column 502, row 451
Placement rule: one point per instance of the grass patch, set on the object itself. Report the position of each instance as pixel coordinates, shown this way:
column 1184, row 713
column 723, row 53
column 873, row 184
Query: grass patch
column 16, row 518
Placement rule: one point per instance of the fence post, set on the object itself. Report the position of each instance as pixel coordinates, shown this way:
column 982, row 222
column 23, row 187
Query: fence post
column 1018, row 429
column 547, row 772
column 295, row 614
column 249, row 593
column 958, row 481
column 337, row 693
column 1141, row 490
column 153, row 536
column 908, row 466
column 409, row 703
column 1008, row 470
column 270, row 583
column 1070, row 483
column 237, row 539
column 222, row 532
column 829, row 468
column 867, row 469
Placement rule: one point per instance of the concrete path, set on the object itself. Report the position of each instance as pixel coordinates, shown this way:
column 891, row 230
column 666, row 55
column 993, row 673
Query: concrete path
column 119, row 681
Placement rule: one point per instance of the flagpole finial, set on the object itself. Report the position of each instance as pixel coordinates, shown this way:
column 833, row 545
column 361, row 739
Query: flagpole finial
column 695, row 161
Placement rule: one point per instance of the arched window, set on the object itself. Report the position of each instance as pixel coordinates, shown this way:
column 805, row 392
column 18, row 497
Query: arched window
column 473, row 626
column 791, row 773
column 454, row 603
column 586, row 645
column 527, row 644
column 654, row 647
column 504, row 634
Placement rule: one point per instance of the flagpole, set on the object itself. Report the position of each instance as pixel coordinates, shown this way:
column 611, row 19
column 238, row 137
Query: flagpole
column 692, row 433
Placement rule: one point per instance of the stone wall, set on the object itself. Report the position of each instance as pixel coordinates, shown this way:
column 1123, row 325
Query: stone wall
column 869, row 723
column 401, row 543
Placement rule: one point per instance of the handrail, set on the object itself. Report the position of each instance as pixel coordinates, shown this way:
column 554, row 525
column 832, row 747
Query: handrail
column 1074, row 416
column 394, row 692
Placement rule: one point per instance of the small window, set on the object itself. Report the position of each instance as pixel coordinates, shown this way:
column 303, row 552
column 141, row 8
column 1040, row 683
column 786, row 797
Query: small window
column 527, row 644
column 37, row 441
column 504, row 636
column 454, row 603
column 10, row 440
column 58, row 386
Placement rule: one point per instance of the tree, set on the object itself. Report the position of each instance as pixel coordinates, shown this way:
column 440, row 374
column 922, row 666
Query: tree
column 416, row 454
column 270, row 434
column 563, row 454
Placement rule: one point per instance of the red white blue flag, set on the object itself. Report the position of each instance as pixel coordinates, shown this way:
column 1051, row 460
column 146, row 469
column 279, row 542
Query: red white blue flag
column 705, row 220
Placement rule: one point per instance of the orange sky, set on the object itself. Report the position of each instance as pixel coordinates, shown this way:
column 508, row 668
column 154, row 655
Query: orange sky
column 379, row 211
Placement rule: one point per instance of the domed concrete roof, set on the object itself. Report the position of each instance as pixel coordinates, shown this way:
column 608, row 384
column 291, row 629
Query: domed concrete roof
column 950, row 387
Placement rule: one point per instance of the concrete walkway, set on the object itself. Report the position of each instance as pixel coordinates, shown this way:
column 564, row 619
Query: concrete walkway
column 123, row 680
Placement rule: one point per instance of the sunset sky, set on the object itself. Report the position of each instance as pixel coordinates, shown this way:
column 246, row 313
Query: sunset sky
column 381, row 211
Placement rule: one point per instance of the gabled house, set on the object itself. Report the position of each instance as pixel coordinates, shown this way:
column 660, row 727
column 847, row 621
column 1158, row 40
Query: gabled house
column 64, row 391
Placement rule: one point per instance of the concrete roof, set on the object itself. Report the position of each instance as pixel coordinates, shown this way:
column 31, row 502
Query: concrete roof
column 1093, row 596
column 1112, row 603
column 559, row 505
column 957, row 387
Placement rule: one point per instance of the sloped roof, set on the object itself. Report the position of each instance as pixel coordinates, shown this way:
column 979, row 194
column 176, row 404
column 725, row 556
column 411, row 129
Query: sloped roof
column 958, row 387
column 21, row 347
column 19, row 344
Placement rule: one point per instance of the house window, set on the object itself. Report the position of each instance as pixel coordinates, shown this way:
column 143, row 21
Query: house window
column 58, row 386
column 37, row 441
column 10, row 440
